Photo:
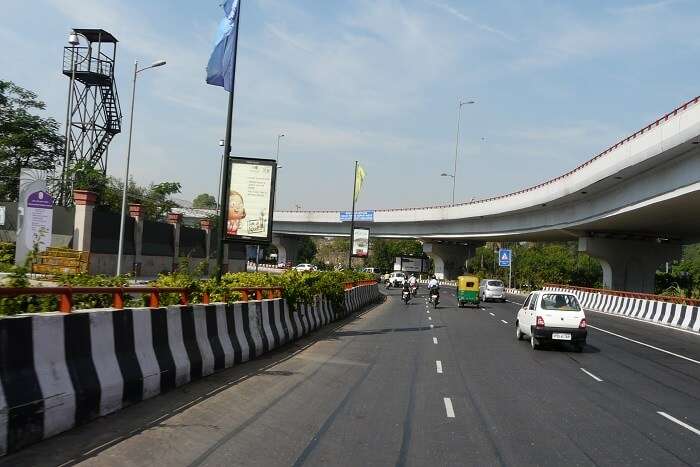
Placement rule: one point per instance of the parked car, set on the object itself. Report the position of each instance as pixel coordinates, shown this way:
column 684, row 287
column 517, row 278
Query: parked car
column 397, row 278
column 552, row 317
column 303, row 267
column 492, row 289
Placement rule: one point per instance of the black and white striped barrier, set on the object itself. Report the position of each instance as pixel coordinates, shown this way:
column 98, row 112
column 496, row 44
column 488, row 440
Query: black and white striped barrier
column 670, row 314
column 60, row 370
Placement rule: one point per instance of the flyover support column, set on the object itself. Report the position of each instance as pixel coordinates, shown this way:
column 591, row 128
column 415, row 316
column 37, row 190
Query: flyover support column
column 629, row 265
column 450, row 260
column 287, row 248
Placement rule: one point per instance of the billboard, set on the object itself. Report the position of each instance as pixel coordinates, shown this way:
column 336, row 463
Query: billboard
column 34, row 214
column 360, row 242
column 250, row 201
column 407, row 264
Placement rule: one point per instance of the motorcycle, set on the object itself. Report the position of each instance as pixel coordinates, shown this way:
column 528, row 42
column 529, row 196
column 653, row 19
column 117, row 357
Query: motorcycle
column 414, row 290
column 406, row 296
column 434, row 297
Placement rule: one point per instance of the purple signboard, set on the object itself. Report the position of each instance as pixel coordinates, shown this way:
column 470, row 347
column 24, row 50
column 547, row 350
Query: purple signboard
column 40, row 199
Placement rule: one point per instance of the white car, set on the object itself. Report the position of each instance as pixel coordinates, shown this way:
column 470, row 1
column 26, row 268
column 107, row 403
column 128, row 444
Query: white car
column 492, row 289
column 552, row 317
column 303, row 267
column 397, row 278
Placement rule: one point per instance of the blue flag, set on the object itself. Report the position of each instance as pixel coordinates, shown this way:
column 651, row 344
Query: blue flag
column 220, row 69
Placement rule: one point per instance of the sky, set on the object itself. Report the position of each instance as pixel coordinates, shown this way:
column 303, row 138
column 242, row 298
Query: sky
column 378, row 81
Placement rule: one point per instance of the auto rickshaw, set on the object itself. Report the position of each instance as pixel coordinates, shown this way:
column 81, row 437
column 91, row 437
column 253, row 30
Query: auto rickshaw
column 468, row 291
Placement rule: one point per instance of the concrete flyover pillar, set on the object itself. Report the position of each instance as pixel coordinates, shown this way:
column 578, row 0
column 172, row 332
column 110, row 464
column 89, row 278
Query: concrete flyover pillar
column 82, row 220
column 450, row 260
column 287, row 248
column 629, row 265
column 175, row 218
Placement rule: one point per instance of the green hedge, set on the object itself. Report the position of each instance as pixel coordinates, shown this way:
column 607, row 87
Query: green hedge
column 298, row 288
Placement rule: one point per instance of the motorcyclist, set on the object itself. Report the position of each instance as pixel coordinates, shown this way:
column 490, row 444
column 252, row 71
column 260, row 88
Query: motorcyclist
column 413, row 282
column 434, row 286
column 406, row 289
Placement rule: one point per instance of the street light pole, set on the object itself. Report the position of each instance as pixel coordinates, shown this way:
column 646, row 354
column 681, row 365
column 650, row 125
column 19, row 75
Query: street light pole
column 277, row 157
column 128, row 159
column 459, row 117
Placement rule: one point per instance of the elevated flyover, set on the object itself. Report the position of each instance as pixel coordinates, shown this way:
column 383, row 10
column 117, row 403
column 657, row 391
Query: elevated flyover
column 631, row 206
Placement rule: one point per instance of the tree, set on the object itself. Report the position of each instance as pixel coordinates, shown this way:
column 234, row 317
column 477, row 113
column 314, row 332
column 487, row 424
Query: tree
column 204, row 201
column 307, row 250
column 383, row 252
column 26, row 140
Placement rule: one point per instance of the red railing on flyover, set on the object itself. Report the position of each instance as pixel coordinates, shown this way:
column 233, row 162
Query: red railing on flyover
column 622, row 293
column 65, row 294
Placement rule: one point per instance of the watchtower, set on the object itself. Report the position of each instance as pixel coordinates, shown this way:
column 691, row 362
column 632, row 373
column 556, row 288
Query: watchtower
column 93, row 114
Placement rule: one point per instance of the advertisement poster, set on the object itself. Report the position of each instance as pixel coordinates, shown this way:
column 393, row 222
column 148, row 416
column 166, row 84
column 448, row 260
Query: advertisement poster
column 34, row 214
column 360, row 242
column 411, row 264
column 250, row 200
column 360, row 216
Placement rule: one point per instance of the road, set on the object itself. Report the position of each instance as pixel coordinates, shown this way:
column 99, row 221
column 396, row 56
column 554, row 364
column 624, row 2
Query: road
column 410, row 385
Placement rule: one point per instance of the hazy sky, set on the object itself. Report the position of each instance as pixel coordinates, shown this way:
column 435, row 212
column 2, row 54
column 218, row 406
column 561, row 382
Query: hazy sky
column 377, row 81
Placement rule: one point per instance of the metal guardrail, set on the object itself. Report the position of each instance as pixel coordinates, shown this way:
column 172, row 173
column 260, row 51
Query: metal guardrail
column 622, row 293
column 351, row 285
column 65, row 294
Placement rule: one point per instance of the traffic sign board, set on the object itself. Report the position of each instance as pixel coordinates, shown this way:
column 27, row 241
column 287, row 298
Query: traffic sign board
column 504, row 257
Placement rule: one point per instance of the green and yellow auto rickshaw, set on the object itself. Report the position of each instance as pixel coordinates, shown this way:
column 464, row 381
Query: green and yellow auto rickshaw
column 468, row 291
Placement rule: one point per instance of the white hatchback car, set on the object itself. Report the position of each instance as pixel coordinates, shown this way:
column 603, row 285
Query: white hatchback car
column 552, row 317
column 397, row 278
column 305, row 267
column 492, row 289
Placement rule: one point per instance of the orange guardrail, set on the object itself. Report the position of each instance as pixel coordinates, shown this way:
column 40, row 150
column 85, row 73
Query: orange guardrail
column 622, row 293
column 350, row 285
column 65, row 294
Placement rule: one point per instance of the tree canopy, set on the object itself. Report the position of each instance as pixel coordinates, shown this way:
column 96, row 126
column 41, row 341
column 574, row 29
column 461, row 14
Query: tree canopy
column 26, row 139
column 204, row 201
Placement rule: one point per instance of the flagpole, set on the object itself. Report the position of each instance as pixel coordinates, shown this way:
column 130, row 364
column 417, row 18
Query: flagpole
column 226, row 180
column 352, row 217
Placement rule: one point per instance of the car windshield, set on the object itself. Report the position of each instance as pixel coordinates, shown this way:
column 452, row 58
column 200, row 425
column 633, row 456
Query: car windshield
column 560, row 302
column 495, row 283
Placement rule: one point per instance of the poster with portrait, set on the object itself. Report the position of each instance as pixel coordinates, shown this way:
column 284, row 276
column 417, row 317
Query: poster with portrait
column 360, row 242
column 250, row 201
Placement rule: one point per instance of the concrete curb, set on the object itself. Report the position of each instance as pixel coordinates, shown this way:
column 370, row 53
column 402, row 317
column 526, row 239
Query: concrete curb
column 675, row 315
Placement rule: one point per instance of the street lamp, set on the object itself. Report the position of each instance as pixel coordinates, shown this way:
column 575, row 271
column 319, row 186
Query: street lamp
column 74, row 41
column 277, row 157
column 128, row 158
column 462, row 103
column 281, row 135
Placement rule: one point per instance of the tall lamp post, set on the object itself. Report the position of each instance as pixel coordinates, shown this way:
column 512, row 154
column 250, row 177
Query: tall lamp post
column 462, row 103
column 453, row 185
column 128, row 158
column 73, row 40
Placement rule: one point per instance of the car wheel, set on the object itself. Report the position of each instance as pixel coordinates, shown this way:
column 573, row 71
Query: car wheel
column 534, row 343
column 518, row 332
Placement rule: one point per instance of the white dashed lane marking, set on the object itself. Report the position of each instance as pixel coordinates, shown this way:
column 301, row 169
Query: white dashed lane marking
column 491, row 314
column 683, row 424
column 448, row 407
column 434, row 340
column 438, row 366
column 592, row 375
column 504, row 321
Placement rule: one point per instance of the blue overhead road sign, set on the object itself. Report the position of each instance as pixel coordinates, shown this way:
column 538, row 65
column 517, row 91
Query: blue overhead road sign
column 504, row 256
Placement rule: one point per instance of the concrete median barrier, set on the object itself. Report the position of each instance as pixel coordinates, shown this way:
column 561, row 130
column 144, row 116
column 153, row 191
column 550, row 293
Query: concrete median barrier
column 61, row 370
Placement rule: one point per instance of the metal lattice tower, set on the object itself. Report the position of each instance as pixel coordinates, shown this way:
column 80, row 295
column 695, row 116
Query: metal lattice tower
column 94, row 115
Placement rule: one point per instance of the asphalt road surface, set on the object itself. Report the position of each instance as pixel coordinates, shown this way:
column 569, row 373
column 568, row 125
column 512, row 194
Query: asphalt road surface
column 410, row 385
